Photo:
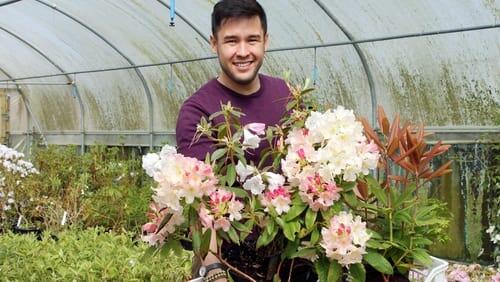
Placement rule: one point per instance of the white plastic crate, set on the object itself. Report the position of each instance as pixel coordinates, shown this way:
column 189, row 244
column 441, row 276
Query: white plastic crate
column 436, row 272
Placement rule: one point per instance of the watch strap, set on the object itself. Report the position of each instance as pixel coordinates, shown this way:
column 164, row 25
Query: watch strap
column 205, row 269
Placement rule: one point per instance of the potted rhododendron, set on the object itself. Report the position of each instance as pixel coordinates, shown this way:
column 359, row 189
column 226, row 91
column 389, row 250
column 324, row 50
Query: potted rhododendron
column 323, row 192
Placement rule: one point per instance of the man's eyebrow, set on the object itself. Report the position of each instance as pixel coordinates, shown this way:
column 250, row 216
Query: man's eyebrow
column 230, row 37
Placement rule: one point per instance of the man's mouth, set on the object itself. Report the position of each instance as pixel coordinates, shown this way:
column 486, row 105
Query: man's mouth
column 243, row 65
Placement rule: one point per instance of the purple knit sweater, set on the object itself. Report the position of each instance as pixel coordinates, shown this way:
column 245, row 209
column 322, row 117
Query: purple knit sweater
column 267, row 106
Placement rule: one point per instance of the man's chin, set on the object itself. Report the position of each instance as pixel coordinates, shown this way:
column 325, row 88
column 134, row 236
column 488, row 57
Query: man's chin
column 243, row 80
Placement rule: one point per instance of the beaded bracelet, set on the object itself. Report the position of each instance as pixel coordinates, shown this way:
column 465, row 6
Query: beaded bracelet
column 215, row 277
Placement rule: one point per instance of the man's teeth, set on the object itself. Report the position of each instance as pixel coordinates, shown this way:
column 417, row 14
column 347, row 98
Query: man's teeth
column 242, row 64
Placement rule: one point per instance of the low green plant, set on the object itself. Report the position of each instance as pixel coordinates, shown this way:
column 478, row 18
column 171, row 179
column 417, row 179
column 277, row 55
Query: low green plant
column 86, row 255
column 103, row 187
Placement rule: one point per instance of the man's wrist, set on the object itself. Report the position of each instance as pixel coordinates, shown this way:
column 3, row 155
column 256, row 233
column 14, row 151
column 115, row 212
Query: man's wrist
column 211, row 269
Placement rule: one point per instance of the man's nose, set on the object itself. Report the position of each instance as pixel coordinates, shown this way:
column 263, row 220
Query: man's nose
column 242, row 50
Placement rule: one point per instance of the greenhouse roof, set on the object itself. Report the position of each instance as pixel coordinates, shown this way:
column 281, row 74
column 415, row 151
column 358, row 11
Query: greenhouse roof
column 117, row 71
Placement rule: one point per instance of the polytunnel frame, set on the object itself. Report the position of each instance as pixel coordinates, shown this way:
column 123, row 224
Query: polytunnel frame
column 27, row 106
column 361, row 55
column 63, row 72
column 132, row 64
column 452, row 131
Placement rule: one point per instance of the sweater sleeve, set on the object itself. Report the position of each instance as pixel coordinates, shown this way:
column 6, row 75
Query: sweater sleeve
column 189, row 117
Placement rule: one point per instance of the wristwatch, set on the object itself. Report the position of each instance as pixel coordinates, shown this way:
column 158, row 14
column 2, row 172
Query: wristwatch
column 204, row 269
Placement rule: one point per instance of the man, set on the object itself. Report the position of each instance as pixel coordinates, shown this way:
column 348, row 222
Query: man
column 240, row 38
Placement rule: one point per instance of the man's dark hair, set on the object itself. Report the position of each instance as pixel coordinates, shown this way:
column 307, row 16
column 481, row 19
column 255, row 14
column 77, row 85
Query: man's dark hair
column 226, row 9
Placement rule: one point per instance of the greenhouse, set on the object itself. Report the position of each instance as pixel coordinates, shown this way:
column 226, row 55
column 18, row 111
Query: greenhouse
column 95, row 95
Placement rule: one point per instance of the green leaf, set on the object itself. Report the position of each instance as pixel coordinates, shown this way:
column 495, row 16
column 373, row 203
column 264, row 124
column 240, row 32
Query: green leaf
column 239, row 192
column 304, row 253
column 270, row 226
column 377, row 190
column 240, row 226
column 217, row 154
column 378, row 262
column 290, row 229
column 419, row 241
column 321, row 266
column 375, row 244
column 406, row 195
column 205, row 242
column 175, row 246
column 265, row 238
column 295, row 211
column 357, row 272
column 280, row 221
column 315, row 236
column 196, row 235
column 422, row 256
column 233, row 235
column 380, row 195
column 310, row 218
column 231, row 175
column 334, row 272
column 351, row 199
column 290, row 249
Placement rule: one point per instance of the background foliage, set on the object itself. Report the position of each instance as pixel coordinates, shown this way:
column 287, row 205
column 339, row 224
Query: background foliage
column 73, row 256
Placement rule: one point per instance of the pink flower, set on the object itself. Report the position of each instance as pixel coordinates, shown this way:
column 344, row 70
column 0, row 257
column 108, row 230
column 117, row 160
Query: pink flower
column 256, row 127
column 458, row 275
column 279, row 198
column 345, row 239
column 319, row 194
column 496, row 277
column 372, row 147
column 149, row 227
column 150, row 231
column 222, row 208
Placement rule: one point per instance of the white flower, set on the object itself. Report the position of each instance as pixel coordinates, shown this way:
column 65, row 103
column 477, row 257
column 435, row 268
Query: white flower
column 281, row 204
column 234, row 208
column 254, row 185
column 167, row 150
column 149, row 162
column 244, row 171
column 496, row 239
column 490, row 229
column 274, row 179
column 250, row 140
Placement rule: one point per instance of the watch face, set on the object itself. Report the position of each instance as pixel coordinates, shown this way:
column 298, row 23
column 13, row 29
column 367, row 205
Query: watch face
column 202, row 271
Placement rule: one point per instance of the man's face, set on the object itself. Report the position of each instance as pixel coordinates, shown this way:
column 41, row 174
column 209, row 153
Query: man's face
column 240, row 44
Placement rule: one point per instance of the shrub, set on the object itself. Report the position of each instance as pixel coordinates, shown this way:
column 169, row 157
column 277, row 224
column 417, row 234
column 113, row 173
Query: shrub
column 103, row 187
column 86, row 255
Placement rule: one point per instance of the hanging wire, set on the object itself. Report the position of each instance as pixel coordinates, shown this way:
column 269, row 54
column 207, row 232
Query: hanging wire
column 170, row 81
column 172, row 12
column 314, row 73
column 73, row 86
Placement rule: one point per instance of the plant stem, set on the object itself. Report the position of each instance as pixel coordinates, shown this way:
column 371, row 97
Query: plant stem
column 290, row 271
column 239, row 272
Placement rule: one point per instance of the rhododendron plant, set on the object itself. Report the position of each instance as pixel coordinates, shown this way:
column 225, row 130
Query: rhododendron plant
column 311, row 196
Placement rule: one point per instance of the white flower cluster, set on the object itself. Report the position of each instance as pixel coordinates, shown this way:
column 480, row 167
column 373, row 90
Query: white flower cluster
column 331, row 144
column 12, row 161
column 495, row 235
column 268, row 186
column 6, row 201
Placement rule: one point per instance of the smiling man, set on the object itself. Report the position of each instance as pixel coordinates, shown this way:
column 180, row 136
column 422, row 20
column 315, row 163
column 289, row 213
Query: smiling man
column 239, row 38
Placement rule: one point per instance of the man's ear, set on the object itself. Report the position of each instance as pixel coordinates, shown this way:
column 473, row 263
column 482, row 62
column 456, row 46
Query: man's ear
column 213, row 43
column 266, row 41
